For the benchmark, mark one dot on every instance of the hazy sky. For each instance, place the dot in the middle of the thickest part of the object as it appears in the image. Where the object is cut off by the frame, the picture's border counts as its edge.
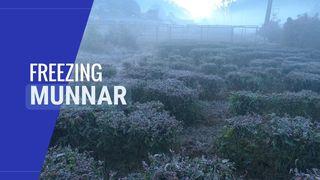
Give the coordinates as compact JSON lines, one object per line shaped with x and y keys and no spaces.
{"x":250,"y":12}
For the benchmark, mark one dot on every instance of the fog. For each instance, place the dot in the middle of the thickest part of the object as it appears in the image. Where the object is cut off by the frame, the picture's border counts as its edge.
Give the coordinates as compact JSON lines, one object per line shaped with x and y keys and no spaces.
{"x":117,"y":24}
{"x":208,"y":12}
{"x":229,"y":12}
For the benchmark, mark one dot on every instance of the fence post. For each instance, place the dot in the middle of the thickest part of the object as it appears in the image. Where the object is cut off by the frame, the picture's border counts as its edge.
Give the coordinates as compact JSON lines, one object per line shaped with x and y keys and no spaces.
{"x":232,"y":34}
{"x":201,"y":33}
{"x":170,"y":29}
{"x":157,"y":33}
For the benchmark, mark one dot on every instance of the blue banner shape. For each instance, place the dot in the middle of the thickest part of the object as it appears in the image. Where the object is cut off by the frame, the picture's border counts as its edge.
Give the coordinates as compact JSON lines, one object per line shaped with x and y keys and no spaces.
{"x":32,"y":31}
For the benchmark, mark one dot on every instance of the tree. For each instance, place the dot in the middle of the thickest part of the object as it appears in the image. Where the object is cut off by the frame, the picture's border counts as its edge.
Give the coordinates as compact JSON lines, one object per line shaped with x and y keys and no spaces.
{"x":302,"y":32}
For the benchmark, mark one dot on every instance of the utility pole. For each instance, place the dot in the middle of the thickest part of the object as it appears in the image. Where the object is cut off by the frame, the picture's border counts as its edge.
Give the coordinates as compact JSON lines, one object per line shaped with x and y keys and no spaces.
{"x":268,"y":13}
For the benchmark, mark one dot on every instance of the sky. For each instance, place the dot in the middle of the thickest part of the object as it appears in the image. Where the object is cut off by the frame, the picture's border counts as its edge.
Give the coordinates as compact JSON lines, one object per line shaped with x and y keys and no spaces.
{"x":235,"y":12}
{"x":201,"y":9}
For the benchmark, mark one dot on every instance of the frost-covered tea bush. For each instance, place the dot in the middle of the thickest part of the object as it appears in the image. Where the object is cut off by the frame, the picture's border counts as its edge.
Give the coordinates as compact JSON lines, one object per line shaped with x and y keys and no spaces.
{"x":145,"y":73}
{"x":202,"y":53}
{"x":145,"y":128}
{"x":66,"y":163}
{"x":304,"y":103}
{"x":128,"y":83}
{"x":180,"y":100}
{"x":270,"y":146}
{"x":70,"y":126}
{"x":276,"y":62}
{"x":297,"y":81}
{"x":289,"y":66}
{"x":200,"y":85}
{"x":209,"y":87}
{"x":226,"y":68}
{"x":247,"y":56}
{"x":209,"y":68}
{"x":256,"y":79}
{"x":162,"y":166}
{"x":118,"y":135}
{"x":181,"y":66}
{"x":109,"y":71}
{"x":177,"y":59}
{"x":219,"y":60}
{"x":187,"y":49}
{"x":189,"y":78}
{"x":243,"y":81}
{"x":313,"y":174}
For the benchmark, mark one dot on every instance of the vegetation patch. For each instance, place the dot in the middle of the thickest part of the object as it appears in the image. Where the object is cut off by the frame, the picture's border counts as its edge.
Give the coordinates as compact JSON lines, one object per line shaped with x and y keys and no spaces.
{"x":118,"y":136}
{"x":270,"y":146}
{"x":162,"y":166}
{"x":180,"y":100}
{"x":67,"y":163}
{"x":304,"y":103}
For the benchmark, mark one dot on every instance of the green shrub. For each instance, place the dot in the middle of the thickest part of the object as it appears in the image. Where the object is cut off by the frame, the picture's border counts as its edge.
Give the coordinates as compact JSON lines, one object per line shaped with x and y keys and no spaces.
{"x":304,"y":103}
{"x":270,"y":146}
{"x":176,"y":167}
{"x":118,"y":136}
{"x":66,"y":163}
{"x":180,"y":100}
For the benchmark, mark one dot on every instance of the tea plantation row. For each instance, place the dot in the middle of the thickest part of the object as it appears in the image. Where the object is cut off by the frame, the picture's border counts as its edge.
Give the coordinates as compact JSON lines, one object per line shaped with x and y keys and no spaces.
{"x":271,"y":127}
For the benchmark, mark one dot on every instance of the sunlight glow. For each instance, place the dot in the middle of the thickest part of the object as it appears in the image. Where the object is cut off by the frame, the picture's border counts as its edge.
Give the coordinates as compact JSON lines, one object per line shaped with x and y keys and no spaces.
{"x":202,"y":9}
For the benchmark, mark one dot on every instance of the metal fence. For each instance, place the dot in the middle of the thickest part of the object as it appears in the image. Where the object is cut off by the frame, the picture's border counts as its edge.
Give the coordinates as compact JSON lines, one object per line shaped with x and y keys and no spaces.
{"x":200,"y":33}
{"x":158,"y":32}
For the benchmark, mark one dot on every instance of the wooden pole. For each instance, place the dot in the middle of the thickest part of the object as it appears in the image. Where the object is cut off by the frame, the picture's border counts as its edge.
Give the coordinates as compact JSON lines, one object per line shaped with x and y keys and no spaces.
{"x":268,"y":13}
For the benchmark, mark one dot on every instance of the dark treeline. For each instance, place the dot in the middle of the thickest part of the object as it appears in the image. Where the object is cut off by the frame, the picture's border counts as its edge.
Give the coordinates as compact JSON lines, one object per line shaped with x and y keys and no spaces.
{"x":303,"y":32}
